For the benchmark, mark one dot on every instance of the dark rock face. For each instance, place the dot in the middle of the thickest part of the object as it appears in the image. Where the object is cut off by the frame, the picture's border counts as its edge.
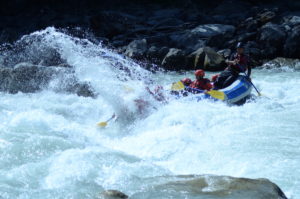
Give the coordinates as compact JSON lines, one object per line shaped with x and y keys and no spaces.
{"x":292,"y":44}
{"x":272,"y":39}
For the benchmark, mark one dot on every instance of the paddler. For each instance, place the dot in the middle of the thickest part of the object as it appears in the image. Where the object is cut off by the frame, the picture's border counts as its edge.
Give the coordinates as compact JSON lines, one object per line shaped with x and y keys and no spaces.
{"x":201,"y":83}
{"x":238,"y":63}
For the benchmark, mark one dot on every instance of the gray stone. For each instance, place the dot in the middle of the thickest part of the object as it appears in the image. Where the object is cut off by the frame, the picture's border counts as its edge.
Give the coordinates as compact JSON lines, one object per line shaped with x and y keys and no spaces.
{"x":206,"y":58}
{"x":210,"y":187}
{"x":174,"y":60}
{"x":136,"y":49}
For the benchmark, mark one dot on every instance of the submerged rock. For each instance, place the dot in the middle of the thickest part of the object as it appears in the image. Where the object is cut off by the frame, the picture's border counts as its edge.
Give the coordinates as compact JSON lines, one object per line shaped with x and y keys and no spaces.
{"x":29,"y":78}
{"x":113,"y":194}
{"x":212,"y":187}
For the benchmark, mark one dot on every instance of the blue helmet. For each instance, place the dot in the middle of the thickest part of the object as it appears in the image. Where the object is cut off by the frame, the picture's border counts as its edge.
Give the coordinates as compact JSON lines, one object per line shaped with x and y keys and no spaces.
{"x":240,"y":45}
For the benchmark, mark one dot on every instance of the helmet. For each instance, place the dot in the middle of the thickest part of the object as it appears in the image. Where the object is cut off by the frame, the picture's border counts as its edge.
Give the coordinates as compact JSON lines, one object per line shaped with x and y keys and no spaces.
{"x":199,"y":73}
{"x":186,"y":81}
{"x":214,"y":77}
{"x":240,"y":45}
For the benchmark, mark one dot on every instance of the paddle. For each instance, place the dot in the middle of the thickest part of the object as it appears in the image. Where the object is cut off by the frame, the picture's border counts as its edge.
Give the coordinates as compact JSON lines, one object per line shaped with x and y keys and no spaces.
{"x":176,"y":86}
{"x":104,"y":124}
{"x":249,"y":80}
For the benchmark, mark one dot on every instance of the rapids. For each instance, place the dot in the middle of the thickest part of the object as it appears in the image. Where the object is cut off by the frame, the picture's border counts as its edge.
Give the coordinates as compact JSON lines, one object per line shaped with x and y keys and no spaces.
{"x":51,"y":147}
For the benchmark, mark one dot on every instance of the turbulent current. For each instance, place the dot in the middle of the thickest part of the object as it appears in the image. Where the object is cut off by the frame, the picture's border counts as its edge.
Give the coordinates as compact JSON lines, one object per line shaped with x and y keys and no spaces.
{"x":51,"y":146}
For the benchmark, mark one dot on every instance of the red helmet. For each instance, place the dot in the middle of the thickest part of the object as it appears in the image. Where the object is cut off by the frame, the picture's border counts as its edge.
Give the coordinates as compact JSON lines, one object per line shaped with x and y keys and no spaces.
{"x":186,"y":81}
{"x":214,"y":77}
{"x":199,"y":73}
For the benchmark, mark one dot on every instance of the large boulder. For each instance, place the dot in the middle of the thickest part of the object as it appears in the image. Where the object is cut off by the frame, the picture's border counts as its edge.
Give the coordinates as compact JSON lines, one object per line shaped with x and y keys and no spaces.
{"x":210,"y":186}
{"x":157,"y":54}
{"x":28,"y":78}
{"x":174,"y":60}
{"x":292,"y":44}
{"x":193,"y":39}
{"x":272,"y":38}
{"x":136,"y":49}
{"x":206,"y":58}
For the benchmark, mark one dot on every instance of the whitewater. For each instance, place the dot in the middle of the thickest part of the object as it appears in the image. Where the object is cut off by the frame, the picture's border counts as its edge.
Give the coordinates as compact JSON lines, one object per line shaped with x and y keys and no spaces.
{"x":51,"y":146}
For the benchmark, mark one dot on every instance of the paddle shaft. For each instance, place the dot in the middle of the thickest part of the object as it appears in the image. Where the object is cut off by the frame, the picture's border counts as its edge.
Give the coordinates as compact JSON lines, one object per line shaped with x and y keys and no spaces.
{"x":252,"y":84}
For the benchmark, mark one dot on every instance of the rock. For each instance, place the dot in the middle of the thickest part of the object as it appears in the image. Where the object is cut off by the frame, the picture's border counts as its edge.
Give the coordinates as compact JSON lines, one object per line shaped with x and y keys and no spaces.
{"x":292,"y":20}
{"x":113,"y":194}
{"x":292,"y":44}
{"x":136,"y":49}
{"x":210,"y":186}
{"x":282,"y":62}
{"x":195,"y":38}
{"x":226,"y":53}
{"x":206,"y":58}
{"x":174,"y":60}
{"x":157,"y":54}
{"x":265,"y":17}
{"x":109,"y":23}
{"x":28,"y":78}
{"x":271,"y":38}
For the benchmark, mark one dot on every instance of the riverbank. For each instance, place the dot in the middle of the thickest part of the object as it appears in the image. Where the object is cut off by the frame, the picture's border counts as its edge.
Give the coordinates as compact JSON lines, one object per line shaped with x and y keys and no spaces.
{"x":175,"y":35}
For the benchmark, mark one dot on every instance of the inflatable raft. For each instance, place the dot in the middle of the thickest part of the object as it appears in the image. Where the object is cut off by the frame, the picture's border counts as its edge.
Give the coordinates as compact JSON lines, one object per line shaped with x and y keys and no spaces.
{"x":236,"y":93}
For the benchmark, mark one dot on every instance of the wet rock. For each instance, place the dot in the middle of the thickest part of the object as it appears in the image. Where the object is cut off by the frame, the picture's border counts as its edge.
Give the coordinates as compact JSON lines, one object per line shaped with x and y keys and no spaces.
{"x":272,"y":38}
{"x":265,"y":17}
{"x":206,"y":58}
{"x":282,"y":62}
{"x":136,"y":49}
{"x":226,"y":53}
{"x":210,"y":186}
{"x":195,"y":38}
{"x":113,"y":194}
{"x":174,"y":60}
{"x":157,"y":54}
{"x":28,"y":78}
{"x":292,"y":44}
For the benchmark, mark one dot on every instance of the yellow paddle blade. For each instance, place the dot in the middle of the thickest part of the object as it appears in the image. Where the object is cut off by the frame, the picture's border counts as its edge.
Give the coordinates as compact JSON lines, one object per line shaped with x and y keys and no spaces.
{"x":176,"y":86}
{"x":102,"y":124}
{"x":216,"y":94}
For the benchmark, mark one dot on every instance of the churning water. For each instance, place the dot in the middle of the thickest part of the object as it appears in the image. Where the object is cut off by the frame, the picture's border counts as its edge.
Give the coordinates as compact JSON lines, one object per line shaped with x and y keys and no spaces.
{"x":51,"y":147}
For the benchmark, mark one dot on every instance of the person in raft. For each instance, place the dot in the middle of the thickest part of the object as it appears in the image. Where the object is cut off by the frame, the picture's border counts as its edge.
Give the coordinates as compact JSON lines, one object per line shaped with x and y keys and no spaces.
{"x":238,"y":63}
{"x":201,"y":83}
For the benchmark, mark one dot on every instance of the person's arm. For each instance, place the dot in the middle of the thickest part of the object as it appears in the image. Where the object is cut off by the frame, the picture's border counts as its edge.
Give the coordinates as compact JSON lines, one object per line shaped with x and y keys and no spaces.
{"x":249,"y":71}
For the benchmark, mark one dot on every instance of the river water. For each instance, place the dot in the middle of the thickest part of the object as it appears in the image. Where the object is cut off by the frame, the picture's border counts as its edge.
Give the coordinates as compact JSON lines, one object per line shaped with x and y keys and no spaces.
{"x":51,"y":147}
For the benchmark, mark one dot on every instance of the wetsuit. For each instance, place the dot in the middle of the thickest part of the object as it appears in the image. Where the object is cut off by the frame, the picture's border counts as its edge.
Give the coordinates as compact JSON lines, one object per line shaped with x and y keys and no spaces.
{"x":231,"y":73}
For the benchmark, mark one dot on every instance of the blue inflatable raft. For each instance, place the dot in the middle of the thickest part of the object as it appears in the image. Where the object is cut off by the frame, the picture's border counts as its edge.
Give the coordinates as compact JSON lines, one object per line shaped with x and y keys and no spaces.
{"x":236,"y":93}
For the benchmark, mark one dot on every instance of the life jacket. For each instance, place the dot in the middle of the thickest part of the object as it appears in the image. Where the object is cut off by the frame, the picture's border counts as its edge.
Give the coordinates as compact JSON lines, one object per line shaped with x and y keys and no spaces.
{"x":242,"y":64}
{"x":202,"y":84}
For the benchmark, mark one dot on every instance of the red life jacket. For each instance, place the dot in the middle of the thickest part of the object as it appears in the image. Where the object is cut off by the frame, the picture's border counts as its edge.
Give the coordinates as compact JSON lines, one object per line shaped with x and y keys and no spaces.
{"x":202,"y":84}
